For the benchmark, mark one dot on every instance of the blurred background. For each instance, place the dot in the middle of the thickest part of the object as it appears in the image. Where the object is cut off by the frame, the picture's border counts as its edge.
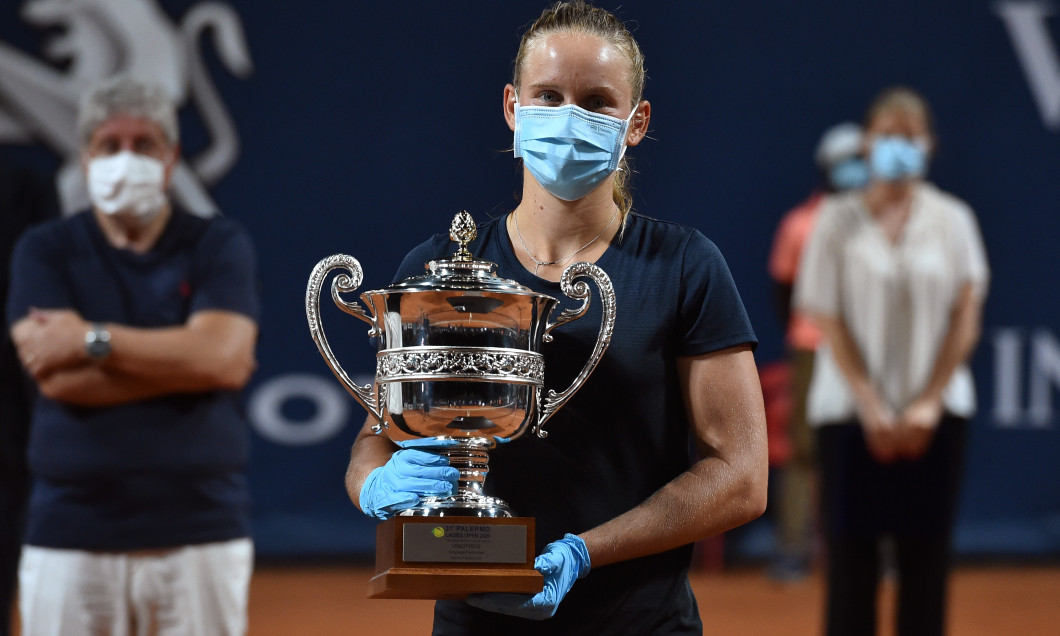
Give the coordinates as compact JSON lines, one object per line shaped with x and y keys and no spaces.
{"x":363,"y":127}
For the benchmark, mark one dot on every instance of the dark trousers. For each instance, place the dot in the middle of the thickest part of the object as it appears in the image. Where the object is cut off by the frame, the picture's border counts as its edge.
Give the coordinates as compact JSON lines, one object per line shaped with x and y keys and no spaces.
{"x":912,"y":502}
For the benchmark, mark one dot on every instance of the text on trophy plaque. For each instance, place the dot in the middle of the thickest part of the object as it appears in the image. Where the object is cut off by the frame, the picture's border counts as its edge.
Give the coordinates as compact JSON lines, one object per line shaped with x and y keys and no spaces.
{"x":463,"y":543}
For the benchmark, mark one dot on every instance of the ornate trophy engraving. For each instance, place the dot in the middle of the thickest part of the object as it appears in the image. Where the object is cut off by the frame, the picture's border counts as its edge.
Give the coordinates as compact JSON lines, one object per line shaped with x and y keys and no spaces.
{"x":459,"y":370}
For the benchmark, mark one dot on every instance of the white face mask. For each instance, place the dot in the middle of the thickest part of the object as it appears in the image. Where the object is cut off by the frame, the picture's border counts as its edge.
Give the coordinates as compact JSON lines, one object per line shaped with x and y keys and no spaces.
{"x":128,"y":183}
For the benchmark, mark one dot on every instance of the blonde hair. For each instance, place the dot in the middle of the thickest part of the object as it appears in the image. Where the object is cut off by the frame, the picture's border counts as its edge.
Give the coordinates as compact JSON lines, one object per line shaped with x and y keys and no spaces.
{"x":575,"y":16}
{"x":900,"y":98}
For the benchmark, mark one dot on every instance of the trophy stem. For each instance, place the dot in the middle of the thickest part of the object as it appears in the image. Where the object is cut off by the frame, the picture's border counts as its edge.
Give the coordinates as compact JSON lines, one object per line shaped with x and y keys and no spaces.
{"x":473,"y":465}
{"x":469,"y":500}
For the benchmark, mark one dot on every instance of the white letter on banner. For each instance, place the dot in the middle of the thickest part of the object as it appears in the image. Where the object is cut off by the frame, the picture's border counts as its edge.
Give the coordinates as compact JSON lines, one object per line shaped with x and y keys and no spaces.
{"x":1008,"y":377}
{"x":1045,"y":374}
{"x":265,"y":408}
{"x":1026,"y":26}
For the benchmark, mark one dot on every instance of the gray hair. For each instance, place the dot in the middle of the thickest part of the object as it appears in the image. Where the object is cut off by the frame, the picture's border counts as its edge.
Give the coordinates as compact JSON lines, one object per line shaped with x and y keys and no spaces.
{"x":126,"y":95}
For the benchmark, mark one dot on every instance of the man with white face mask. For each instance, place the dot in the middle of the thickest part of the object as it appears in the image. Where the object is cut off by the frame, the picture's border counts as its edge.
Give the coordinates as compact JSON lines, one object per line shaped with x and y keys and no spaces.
{"x":138,"y":322}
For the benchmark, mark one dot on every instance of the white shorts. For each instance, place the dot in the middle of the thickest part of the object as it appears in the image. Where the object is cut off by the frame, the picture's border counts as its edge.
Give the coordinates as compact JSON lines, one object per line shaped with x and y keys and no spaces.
{"x":191,"y":590}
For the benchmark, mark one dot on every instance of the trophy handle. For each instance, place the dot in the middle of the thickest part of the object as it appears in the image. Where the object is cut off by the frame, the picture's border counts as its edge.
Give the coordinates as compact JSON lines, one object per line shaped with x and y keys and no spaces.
{"x":579,"y":290}
{"x":343,"y":284}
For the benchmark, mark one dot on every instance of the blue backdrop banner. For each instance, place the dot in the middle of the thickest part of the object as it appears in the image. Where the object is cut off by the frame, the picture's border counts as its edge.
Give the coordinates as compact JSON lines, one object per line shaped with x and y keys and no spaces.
{"x":362,"y":127}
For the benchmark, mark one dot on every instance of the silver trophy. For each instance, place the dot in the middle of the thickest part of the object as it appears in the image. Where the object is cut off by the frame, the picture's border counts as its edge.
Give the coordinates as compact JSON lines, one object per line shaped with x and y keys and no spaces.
{"x":459,"y":367}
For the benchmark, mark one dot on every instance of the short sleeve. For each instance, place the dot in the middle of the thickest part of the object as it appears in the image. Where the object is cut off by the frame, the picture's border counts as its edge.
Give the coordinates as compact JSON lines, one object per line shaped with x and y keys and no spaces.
{"x":817,"y":285}
{"x":971,"y":265}
{"x":37,"y":277}
{"x":711,"y":314}
{"x":226,"y":275}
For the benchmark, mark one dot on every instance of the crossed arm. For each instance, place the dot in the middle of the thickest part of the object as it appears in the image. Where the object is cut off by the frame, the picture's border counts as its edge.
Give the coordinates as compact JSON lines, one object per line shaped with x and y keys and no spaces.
{"x":725,"y":488}
{"x":213,"y":350}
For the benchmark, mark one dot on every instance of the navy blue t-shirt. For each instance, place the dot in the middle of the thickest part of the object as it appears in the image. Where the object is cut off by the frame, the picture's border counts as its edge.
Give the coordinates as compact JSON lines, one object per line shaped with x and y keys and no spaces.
{"x":624,"y":434}
{"x":154,"y":473}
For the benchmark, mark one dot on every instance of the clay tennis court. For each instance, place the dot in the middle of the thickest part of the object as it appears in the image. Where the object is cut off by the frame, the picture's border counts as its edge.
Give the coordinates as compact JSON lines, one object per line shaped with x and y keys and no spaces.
{"x":985,"y":601}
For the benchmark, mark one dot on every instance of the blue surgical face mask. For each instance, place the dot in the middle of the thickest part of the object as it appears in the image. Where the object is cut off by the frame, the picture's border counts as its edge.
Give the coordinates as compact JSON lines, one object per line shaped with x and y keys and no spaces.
{"x":849,"y":174}
{"x":895,"y":157}
{"x":568,"y":149}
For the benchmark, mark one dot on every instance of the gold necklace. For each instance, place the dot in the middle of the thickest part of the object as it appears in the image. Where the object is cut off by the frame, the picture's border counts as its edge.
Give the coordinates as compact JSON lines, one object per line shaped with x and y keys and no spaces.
{"x":541,"y":264}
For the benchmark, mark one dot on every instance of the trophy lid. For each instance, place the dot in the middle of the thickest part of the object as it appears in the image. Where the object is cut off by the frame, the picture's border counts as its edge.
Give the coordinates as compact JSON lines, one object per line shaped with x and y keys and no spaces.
{"x":461,"y":271}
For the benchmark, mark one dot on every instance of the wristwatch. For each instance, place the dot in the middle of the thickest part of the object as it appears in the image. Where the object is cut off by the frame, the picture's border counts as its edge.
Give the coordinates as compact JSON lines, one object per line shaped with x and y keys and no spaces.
{"x":97,"y":341}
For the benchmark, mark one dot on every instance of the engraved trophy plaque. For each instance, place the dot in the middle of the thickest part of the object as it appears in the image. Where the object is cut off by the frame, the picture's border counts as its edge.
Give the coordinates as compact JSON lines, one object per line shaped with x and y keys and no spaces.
{"x":458,"y":371}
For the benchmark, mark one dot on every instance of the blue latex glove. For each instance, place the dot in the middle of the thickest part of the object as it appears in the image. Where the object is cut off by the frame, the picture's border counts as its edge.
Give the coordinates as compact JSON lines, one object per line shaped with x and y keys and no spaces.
{"x":561,"y":563}
{"x":428,"y":442}
{"x":407,"y":476}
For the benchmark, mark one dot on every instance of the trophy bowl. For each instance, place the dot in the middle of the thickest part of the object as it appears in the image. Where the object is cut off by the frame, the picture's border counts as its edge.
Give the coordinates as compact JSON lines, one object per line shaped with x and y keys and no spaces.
{"x":459,"y":367}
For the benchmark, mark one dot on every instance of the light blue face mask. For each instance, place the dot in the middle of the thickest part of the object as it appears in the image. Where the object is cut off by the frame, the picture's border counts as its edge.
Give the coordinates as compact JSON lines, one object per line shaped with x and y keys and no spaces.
{"x":568,"y":149}
{"x":895,"y":157}
{"x":849,"y":174}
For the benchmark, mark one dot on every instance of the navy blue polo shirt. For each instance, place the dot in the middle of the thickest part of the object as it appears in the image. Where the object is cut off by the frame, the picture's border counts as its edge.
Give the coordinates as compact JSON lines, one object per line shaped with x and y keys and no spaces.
{"x":154,"y":473}
{"x":624,"y":435}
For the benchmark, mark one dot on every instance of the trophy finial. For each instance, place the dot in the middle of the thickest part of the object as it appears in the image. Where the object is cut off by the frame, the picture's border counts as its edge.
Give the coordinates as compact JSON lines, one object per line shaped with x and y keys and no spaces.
{"x":463,"y":231}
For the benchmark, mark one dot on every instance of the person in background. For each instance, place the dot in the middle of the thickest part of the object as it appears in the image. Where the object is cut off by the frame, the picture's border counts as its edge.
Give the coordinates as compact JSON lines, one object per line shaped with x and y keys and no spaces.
{"x":895,"y":276}
{"x":617,"y":501}
{"x":838,"y":157}
{"x":25,"y":200}
{"x":138,"y":323}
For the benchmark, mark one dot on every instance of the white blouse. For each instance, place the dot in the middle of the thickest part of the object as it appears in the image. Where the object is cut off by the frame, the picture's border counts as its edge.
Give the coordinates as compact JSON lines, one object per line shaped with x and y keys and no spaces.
{"x":895,"y":298}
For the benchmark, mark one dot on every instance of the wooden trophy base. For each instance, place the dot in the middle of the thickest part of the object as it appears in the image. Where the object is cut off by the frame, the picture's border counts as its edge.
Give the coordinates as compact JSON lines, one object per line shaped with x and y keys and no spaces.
{"x":452,"y":557}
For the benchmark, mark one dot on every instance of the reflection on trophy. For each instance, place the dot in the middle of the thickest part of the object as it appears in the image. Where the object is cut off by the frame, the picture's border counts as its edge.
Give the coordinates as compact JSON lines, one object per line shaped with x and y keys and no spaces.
{"x":459,"y":370}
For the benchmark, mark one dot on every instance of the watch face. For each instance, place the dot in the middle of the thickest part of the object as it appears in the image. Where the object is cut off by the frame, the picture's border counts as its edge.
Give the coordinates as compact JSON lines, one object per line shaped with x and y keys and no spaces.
{"x":97,"y":342}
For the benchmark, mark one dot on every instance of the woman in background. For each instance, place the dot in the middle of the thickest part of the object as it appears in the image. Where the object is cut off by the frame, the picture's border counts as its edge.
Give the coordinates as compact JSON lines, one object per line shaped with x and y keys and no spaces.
{"x":895,"y":275}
